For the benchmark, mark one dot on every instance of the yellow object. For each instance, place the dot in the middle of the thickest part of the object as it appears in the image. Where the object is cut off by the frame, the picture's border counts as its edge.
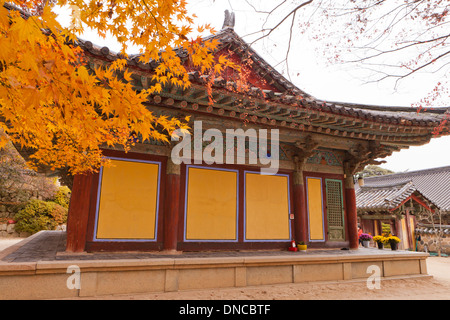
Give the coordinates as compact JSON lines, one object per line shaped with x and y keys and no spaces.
{"x":315,"y":208}
{"x":302,"y":247}
{"x":378,"y":239}
{"x":211,"y":211}
{"x":266,"y":207}
{"x":128,"y":200}
{"x":391,"y":238}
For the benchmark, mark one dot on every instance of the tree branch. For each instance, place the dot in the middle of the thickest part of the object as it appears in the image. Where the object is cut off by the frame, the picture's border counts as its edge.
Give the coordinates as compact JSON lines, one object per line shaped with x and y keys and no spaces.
{"x":281,"y":21}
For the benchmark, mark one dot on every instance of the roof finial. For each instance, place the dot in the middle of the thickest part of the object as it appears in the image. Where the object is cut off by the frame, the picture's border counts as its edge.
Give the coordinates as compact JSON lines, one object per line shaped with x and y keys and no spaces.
{"x":229,"y":20}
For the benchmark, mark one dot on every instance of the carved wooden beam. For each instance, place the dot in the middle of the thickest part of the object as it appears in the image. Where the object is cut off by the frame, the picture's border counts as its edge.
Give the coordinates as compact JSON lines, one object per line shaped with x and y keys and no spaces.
{"x":376,"y":162}
{"x":359,"y":152}
{"x":303,"y":150}
{"x":359,"y":156}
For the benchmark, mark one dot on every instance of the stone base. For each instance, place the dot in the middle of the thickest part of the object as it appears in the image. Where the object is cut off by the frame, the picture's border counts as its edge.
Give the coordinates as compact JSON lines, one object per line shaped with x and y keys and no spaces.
{"x":88,"y":278}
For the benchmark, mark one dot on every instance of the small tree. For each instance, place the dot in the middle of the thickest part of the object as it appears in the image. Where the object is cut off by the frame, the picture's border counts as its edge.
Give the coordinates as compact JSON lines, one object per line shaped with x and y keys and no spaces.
{"x":373,"y":170}
{"x":435,"y":217}
{"x":20,"y":182}
{"x":40,"y":215}
{"x":62,"y":197}
{"x":53,"y":103}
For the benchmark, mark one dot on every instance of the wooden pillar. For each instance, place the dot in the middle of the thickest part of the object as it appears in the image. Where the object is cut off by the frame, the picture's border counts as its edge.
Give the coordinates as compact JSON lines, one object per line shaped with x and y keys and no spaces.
{"x":398,"y":231}
{"x":393,"y":226}
{"x":303,"y":150}
{"x":300,"y":213}
{"x":171,"y":206}
{"x":78,"y":215}
{"x":350,"y":201}
{"x":379,"y":227}
{"x":408,"y":230}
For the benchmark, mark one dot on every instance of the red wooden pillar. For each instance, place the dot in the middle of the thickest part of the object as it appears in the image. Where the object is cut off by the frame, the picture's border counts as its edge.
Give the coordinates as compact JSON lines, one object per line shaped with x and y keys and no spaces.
{"x":352,"y":223}
{"x":77,"y":220}
{"x":171,"y":206}
{"x":350,"y":201}
{"x":300,"y":214}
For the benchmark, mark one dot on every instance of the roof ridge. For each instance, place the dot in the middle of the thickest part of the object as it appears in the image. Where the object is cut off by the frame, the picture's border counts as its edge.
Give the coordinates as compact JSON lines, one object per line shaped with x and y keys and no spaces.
{"x":236,"y":39}
{"x":394,"y":184}
{"x":374,"y":107}
{"x":378,"y":198}
{"x":402,"y":191}
{"x":410,"y":173}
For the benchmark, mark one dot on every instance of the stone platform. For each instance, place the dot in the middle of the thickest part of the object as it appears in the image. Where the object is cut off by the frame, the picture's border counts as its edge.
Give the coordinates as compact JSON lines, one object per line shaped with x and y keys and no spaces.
{"x":39,"y":268}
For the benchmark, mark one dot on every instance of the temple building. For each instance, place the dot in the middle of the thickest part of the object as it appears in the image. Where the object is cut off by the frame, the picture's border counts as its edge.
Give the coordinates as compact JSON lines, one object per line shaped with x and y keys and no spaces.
{"x":148,"y":201}
{"x":407,"y":203}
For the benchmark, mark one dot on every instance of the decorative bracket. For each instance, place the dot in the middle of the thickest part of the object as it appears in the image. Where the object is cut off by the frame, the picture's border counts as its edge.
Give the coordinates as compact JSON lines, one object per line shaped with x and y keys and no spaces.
{"x":360,"y":156}
{"x":302,"y":151}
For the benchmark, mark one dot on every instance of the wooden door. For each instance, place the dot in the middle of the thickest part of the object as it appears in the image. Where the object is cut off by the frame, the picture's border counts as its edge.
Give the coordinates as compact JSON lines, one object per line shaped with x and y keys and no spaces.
{"x":335,"y":210}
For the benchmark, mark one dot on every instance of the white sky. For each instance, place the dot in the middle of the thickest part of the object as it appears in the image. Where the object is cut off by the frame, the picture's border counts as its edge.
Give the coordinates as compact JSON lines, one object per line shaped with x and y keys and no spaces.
{"x":325,"y":81}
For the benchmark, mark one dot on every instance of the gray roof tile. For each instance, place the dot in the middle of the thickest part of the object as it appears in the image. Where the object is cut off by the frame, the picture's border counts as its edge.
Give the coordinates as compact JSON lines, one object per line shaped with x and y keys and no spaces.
{"x":433,"y":184}
{"x":378,"y":198}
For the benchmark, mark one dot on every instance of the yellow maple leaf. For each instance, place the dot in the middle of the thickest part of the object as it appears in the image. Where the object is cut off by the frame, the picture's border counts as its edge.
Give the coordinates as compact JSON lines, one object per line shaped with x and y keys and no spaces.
{"x":54,"y":105}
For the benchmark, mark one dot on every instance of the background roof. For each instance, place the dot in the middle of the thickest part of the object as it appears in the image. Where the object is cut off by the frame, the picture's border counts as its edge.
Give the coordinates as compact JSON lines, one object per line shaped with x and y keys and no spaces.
{"x":434,"y":184}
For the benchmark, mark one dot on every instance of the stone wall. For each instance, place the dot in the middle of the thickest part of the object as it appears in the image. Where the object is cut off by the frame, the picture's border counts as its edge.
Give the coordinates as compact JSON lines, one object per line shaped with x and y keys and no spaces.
{"x":11,"y":202}
{"x":7,"y":230}
{"x":9,"y":206}
{"x":428,"y":239}
{"x":8,"y":209}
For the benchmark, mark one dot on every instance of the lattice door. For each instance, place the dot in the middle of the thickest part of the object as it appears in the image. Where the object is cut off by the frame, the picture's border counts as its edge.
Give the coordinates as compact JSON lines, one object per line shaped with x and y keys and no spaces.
{"x":335,"y":210}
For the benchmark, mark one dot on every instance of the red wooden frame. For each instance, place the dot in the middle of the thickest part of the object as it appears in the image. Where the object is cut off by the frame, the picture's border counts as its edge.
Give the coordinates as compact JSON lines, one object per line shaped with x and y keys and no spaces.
{"x":240,"y":244}
{"x":92,"y":245}
{"x":415,"y":198}
{"x":170,"y":233}
{"x":323,"y":176}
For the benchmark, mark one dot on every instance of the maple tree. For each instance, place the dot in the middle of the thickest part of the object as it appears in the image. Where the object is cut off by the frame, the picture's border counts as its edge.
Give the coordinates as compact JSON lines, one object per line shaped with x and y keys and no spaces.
{"x":53,"y":104}
{"x":390,"y":40}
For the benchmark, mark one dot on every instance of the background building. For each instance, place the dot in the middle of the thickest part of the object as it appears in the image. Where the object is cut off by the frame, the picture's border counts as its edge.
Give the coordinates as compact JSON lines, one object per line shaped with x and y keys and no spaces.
{"x":415,"y":204}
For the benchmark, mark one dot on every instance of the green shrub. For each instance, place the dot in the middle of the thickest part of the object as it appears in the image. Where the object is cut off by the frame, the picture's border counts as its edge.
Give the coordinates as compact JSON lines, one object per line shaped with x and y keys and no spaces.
{"x":62,"y":196}
{"x":40,"y":215}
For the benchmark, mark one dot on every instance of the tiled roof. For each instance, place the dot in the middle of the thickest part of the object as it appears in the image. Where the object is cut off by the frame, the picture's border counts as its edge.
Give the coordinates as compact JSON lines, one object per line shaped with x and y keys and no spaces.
{"x":286,"y":93}
{"x":281,"y":104}
{"x":384,"y":197}
{"x":431,"y":230}
{"x":433,"y":184}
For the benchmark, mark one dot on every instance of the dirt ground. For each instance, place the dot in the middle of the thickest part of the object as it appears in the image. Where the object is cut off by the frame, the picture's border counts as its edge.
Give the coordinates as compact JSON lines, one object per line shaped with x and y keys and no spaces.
{"x":436,"y":288}
{"x":7,"y":242}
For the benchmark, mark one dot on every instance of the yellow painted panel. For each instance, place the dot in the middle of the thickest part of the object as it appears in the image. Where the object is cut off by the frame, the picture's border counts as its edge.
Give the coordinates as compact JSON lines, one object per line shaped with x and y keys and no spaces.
{"x":211,"y":204}
{"x":315,"y":208}
{"x":128,"y":201}
{"x":267,"y":207}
